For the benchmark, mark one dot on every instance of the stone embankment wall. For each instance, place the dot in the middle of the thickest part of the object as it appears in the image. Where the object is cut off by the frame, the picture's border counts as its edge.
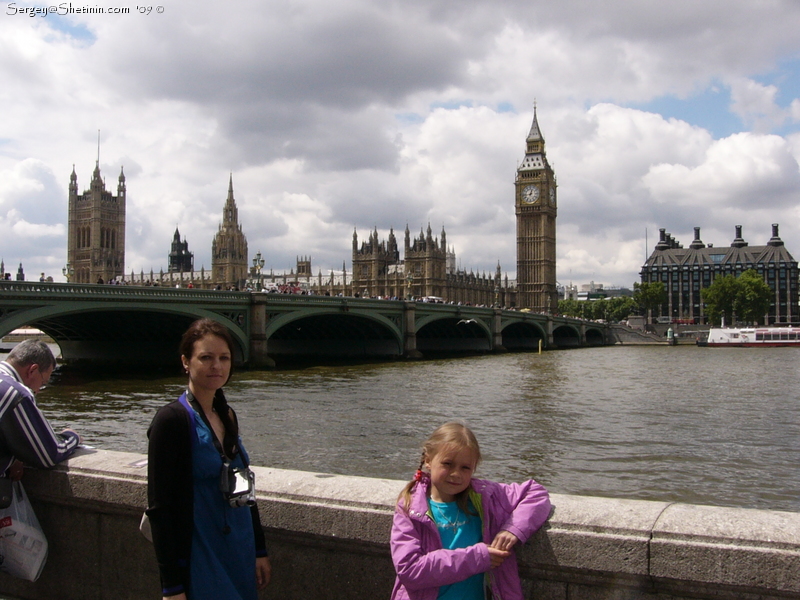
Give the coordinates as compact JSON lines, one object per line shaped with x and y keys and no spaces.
{"x":328,"y":538}
{"x":621,"y":334}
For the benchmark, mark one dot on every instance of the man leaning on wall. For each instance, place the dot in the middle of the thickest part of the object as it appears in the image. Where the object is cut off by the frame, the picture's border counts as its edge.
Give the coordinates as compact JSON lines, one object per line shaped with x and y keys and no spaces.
{"x":26,"y":436}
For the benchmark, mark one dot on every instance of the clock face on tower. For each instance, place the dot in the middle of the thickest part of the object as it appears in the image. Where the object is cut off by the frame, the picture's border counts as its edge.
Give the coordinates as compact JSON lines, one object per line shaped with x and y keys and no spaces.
{"x":530,"y":194}
{"x":552,"y":196}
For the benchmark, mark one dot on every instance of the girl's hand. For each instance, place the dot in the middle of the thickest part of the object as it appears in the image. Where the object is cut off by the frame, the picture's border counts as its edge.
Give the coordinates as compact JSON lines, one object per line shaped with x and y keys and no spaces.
{"x":504,"y":540}
{"x":496,"y":557}
{"x":176,"y":597}
{"x":263,"y":571}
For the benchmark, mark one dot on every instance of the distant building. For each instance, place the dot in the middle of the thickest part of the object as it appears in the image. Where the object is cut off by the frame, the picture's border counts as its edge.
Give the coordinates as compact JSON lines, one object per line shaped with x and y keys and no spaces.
{"x":229,"y":248}
{"x":180,"y":259}
{"x":96,"y":230}
{"x":614,"y":291}
{"x":428,"y":270}
{"x":568,"y":292}
{"x":686,"y":271}
{"x":591,"y":291}
{"x":304,"y":267}
{"x":299,"y":280}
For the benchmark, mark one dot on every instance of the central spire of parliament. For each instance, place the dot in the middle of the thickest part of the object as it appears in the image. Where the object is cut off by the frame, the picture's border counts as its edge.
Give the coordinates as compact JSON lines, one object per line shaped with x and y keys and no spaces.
{"x":229,"y":248}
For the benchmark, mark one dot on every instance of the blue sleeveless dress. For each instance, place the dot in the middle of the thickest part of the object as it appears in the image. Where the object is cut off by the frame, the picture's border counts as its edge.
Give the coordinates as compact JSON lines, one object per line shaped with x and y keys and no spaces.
{"x":223,"y":560}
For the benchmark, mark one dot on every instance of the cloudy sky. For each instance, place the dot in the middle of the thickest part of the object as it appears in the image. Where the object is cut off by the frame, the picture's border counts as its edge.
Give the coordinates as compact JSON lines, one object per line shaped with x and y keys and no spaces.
{"x":381,"y":113}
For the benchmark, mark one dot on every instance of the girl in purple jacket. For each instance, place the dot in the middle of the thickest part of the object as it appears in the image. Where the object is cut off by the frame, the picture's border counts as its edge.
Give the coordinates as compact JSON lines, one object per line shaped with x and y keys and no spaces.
{"x":452,"y":535}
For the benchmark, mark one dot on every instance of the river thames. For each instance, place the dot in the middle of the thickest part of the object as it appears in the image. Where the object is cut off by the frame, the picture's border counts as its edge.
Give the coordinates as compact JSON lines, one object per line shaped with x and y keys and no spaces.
{"x":696,"y":425}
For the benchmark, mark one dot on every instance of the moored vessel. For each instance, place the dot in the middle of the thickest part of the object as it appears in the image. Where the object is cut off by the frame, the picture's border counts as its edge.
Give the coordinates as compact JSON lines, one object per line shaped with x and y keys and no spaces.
{"x":753,"y":336}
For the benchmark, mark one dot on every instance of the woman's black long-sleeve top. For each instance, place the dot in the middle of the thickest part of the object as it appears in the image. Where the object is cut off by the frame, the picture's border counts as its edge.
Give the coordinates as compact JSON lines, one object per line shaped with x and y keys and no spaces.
{"x":169,"y":496}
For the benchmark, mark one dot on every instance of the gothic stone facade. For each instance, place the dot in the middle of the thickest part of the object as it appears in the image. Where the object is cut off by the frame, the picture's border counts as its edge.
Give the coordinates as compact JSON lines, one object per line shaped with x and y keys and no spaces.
{"x":180,"y":259}
{"x":536,"y":210}
{"x":686,"y":271}
{"x":96,"y":230}
{"x":229,"y":248}
{"x":428,"y":270}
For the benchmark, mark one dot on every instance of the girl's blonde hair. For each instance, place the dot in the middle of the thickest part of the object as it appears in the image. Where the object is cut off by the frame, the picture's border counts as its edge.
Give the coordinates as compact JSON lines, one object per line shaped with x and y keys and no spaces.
{"x":450,"y":436}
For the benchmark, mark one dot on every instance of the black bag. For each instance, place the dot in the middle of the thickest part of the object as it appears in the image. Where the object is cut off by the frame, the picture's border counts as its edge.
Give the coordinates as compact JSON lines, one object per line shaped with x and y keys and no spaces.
{"x":6,"y":492}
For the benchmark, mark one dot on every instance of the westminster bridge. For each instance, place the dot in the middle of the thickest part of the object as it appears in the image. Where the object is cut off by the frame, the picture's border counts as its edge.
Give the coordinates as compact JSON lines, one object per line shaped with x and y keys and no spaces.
{"x":143,"y":325}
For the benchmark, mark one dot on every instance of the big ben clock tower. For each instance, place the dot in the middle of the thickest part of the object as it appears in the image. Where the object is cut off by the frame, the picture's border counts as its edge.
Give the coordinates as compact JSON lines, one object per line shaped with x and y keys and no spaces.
{"x":536,"y":209}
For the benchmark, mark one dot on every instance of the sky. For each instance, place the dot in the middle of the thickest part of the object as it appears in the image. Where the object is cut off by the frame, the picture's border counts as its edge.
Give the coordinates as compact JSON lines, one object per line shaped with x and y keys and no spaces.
{"x":356,"y":115}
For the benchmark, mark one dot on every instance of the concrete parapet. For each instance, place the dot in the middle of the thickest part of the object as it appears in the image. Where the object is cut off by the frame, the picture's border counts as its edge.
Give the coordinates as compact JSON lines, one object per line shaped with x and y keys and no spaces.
{"x":328,"y":538}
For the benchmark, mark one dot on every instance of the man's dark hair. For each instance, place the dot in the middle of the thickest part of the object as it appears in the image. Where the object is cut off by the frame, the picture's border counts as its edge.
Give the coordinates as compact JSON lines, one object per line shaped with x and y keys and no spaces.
{"x":32,"y":352}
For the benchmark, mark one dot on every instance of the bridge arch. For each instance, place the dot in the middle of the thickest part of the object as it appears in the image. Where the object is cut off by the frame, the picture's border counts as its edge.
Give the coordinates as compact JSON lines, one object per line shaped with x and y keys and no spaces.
{"x":444,"y":333}
{"x":566,"y":336}
{"x":332,"y":333}
{"x":523,"y":335}
{"x":120,"y":333}
{"x":595,"y":337}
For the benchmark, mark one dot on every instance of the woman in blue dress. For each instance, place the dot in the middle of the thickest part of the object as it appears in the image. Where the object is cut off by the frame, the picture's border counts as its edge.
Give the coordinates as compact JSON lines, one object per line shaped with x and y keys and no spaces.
{"x":206,"y":547}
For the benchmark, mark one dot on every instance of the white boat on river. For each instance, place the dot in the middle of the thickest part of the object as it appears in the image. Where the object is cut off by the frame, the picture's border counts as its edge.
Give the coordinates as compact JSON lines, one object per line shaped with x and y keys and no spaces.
{"x":753,"y":336}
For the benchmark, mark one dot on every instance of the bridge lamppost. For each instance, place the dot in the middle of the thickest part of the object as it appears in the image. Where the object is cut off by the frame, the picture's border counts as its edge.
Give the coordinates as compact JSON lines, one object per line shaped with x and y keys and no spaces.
{"x":497,"y":296}
{"x":68,"y":271}
{"x":258,"y":264}
{"x":409,"y":281}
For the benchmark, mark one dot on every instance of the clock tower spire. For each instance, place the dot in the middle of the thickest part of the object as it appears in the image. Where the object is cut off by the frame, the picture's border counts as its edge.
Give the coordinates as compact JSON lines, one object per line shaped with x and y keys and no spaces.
{"x":536,"y":210}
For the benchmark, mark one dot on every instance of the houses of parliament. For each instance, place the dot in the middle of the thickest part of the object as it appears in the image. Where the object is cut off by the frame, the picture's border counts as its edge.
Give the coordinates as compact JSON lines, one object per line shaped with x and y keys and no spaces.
{"x":427,"y":269}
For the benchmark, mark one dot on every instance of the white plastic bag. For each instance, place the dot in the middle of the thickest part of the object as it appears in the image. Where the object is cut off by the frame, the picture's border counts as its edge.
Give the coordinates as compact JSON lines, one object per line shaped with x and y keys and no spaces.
{"x":23,"y":547}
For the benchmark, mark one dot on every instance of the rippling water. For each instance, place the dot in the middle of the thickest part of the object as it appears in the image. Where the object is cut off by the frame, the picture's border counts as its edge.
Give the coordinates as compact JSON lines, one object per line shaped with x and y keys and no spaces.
{"x":698,"y":425}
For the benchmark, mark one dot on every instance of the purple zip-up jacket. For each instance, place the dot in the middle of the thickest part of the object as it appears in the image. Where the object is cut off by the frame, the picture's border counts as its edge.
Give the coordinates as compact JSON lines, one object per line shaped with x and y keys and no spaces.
{"x":24,"y":431}
{"x":422,"y":564}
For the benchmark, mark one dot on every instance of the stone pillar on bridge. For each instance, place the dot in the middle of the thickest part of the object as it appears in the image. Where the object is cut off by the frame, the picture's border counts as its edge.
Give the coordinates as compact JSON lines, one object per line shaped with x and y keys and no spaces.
{"x":550,"y":327}
{"x":258,"y":336}
{"x":609,"y":336}
{"x":497,"y":332}
{"x":410,"y":331}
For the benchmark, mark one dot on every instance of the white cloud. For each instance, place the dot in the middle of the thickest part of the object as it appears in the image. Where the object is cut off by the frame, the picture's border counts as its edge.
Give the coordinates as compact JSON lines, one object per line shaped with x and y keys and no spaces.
{"x":738,"y":173}
{"x":22,"y":228}
{"x":756,"y":104}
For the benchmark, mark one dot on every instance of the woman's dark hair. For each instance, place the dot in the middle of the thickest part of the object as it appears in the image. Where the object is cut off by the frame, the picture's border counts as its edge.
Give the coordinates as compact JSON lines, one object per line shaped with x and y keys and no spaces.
{"x":197,"y":331}
{"x":200,"y":329}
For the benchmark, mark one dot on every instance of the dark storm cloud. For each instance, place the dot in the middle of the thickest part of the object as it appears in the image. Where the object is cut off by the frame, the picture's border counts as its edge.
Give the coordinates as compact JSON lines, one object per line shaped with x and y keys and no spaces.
{"x":360,"y":56}
{"x":294,"y":83}
{"x":326,"y":138}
